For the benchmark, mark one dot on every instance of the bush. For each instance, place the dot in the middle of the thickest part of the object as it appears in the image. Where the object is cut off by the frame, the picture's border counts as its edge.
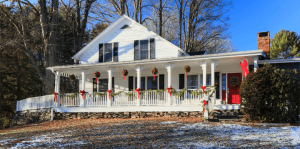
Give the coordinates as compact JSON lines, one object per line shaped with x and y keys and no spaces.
{"x":4,"y":122}
{"x":271,"y":95}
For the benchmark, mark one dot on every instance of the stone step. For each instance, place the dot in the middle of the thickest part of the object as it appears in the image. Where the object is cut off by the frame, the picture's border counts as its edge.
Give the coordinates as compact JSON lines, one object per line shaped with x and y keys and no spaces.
{"x":231,"y":120}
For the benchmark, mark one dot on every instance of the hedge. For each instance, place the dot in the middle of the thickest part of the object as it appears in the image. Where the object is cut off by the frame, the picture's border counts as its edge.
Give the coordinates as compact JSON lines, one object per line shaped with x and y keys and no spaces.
{"x":271,"y":95}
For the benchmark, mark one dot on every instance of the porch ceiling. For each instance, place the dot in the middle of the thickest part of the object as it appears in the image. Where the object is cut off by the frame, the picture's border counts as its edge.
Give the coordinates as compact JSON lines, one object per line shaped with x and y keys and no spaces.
{"x":225,"y":59}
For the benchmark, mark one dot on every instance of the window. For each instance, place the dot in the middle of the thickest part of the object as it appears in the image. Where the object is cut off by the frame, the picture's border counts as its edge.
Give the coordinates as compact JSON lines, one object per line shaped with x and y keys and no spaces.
{"x":224,"y":82}
{"x":143,"y":82}
{"x":192,"y":82}
{"x":144,"y":49}
{"x":151,"y":84}
{"x":208,"y":80}
{"x":108,"y":54}
{"x":103,"y":85}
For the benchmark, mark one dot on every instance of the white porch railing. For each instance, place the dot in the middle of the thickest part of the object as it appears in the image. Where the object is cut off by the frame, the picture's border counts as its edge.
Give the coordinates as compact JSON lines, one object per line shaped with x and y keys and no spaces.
{"x":35,"y":103}
{"x":148,"y":98}
{"x":151,"y":98}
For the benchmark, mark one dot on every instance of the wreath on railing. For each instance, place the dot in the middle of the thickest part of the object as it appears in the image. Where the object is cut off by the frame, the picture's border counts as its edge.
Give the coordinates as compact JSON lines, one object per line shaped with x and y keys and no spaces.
{"x":234,"y":81}
{"x":186,"y":69}
{"x":72,"y":78}
{"x":97,"y":75}
{"x":154,"y":71}
{"x":124,"y":73}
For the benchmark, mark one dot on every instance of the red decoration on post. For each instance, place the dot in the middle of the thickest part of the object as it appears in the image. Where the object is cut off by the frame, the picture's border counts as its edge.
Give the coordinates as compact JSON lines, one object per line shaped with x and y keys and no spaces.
{"x":204,"y":103}
{"x":72,"y":78}
{"x":109,"y":91}
{"x":124,"y":73}
{"x":203,"y":88}
{"x":138,"y":91}
{"x":55,"y":95}
{"x":186,"y":69}
{"x":97,"y":75}
{"x":82,"y":93}
{"x":244,"y":67}
{"x":154,"y":71}
{"x":169,"y":90}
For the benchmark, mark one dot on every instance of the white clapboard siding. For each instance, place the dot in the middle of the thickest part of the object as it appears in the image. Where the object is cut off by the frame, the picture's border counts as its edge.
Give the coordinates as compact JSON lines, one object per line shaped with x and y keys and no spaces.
{"x":125,"y":38}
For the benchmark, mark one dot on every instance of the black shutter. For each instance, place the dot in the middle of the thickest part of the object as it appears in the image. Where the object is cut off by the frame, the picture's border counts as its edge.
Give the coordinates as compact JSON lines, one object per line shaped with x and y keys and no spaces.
{"x":136,"y":50}
{"x":181,"y":81}
{"x":94,"y":85}
{"x":161,"y":81}
{"x":217,"y":84}
{"x":130,"y":83}
{"x":152,"y":48}
{"x":113,"y":83}
{"x":101,"y":53}
{"x":115,"y":58}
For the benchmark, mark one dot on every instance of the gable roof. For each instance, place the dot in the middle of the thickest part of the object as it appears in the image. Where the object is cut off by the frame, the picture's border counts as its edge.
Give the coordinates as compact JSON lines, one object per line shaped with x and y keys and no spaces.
{"x":111,"y":27}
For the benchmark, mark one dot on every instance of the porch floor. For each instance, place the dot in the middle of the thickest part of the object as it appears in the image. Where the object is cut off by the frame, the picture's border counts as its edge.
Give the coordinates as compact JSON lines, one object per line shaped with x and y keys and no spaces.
{"x":144,"y":108}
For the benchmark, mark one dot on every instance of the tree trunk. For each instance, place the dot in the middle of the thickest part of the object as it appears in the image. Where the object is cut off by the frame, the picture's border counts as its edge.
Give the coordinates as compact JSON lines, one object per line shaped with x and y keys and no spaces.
{"x":180,"y":22}
{"x":160,"y":17}
{"x":140,"y":10}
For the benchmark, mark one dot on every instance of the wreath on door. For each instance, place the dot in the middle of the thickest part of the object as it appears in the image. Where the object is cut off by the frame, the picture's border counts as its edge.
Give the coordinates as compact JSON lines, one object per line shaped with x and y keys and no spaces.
{"x":234,"y":81}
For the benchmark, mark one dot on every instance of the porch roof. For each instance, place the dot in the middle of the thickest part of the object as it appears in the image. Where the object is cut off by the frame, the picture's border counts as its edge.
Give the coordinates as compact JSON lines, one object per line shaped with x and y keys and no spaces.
{"x":163,"y":60}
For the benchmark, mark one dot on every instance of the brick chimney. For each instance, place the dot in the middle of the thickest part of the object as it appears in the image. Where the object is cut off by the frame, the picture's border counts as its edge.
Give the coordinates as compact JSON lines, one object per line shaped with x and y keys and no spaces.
{"x":263,"y":42}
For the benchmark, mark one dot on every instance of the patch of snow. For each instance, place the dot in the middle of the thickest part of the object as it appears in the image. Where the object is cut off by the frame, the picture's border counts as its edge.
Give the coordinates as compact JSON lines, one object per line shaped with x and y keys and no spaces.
{"x":168,"y":122}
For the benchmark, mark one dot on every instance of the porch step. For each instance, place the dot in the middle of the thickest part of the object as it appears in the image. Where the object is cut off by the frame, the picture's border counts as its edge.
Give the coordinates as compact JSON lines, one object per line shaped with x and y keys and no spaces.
{"x":225,"y":116}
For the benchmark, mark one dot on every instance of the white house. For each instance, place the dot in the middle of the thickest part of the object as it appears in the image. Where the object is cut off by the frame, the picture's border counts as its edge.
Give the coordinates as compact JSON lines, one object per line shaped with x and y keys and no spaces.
{"x":128,"y":45}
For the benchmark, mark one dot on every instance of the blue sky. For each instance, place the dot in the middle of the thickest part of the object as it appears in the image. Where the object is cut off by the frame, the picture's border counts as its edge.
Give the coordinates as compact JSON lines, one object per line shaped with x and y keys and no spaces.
{"x":247,"y":17}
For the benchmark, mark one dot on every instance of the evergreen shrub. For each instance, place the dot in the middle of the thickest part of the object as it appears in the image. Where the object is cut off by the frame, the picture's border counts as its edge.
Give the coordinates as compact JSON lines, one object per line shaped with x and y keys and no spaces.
{"x":271,"y":95}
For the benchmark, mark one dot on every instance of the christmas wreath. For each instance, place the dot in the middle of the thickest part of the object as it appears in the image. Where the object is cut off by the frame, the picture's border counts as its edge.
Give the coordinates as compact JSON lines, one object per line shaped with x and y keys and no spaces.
{"x":154,"y":71}
{"x":72,"y":78}
{"x":124,"y":73}
{"x":186,"y":69}
{"x":234,"y":81}
{"x":97,"y":75}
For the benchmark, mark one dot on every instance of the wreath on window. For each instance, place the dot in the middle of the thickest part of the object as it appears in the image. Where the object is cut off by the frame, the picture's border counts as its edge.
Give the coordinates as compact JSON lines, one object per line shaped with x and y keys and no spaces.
{"x":72,"y":78}
{"x":234,"y":81}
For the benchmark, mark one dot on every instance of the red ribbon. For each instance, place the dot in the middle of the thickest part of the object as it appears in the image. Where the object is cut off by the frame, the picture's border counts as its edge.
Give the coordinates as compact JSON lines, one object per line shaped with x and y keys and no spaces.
{"x":109,"y":91}
{"x":203,"y":88}
{"x":82,"y":93}
{"x":71,"y":82}
{"x":123,"y":77}
{"x":96,"y":80}
{"x":138,"y":91}
{"x":204,"y":103}
{"x":169,"y":90}
{"x":55,"y":95}
{"x":185,"y":74}
{"x":244,"y":67}
{"x":154,"y":77}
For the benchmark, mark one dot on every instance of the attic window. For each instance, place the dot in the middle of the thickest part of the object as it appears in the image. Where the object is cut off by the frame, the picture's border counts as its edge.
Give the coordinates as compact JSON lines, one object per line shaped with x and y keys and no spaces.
{"x":125,"y":26}
{"x":263,"y":34}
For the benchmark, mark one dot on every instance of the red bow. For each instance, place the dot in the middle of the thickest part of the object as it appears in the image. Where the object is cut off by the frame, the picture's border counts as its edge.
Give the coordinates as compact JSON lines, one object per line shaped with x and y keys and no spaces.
{"x":154,"y":77}
{"x":55,"y":95}
{"x":204,"y":103}
{"x":71,"y":82}
{"x":203,"y":88}
{"x":109,"y":91}
{"x":123,"y":77}
{"x":82,"y":93}
{"x":169,"y":90}
{"x":96,"y":80}
{"x":244,"y":67}
{"x":138,"y":91}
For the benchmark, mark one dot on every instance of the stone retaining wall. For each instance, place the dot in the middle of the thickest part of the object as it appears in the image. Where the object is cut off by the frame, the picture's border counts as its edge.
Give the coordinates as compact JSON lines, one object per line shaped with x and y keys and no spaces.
{"x":22,"y":118}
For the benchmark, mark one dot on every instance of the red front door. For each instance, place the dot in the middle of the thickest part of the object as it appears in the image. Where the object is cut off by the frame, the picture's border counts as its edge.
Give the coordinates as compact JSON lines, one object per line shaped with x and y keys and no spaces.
{"x":234,"y":83}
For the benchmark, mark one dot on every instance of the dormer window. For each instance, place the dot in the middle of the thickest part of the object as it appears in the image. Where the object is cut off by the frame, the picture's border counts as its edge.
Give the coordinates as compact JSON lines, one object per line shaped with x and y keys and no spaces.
{"x":144,"y":49}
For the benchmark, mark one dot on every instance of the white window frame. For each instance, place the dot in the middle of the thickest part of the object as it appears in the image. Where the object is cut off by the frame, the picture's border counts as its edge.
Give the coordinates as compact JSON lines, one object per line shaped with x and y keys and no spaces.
{"x":112,"y":52}
{"x":146,"y":80}
{"x":185,"y":84}
{"x":140,"y":48}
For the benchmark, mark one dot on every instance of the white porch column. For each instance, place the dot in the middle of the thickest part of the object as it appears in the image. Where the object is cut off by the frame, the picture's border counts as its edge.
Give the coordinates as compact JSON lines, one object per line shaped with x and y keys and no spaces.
{"x":169,"y":68}
{"x":213,"y":67}
{"x":203,"y":65}
{"x":57,"y":87}
{"x":83,"y":78}
{"x":138,"y":81}
{"x":110,"y":73}
{"x":255,"y":63}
